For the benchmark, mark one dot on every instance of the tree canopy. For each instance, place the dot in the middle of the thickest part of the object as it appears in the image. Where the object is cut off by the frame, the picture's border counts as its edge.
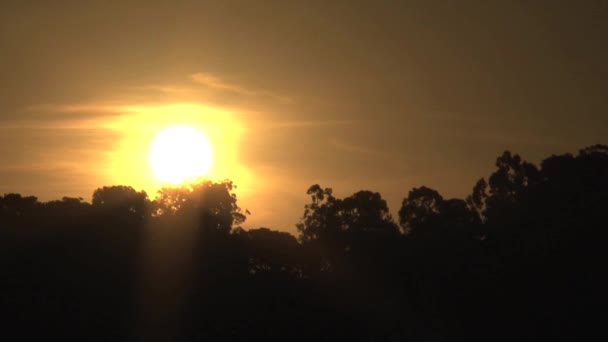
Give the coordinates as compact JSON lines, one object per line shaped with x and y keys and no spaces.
{"x":521,"y":257}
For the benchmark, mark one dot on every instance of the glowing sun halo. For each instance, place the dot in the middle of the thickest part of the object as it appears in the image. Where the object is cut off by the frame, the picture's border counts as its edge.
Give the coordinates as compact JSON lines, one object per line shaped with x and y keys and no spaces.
{"x":180,"y":153}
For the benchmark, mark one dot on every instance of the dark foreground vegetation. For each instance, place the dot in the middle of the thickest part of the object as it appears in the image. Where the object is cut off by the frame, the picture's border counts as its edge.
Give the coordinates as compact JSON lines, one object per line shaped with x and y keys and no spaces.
{"x":522,"y":258}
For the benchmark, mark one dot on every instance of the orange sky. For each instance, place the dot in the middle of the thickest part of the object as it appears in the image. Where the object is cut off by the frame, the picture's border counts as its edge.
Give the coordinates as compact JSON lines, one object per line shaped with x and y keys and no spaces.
{"x":352,"y":95}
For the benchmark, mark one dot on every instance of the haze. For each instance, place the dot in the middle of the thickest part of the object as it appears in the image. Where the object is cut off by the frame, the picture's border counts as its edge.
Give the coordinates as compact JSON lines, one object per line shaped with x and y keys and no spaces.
{"x":376,"y":95}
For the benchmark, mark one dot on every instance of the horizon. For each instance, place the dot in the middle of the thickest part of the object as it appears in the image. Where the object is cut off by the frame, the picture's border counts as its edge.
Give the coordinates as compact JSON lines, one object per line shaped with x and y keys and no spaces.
{"x":291,"y":230}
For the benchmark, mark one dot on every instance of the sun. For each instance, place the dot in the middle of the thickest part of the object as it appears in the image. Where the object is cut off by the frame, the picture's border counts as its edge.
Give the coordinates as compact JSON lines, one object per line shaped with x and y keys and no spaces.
{"x":180,"y":153}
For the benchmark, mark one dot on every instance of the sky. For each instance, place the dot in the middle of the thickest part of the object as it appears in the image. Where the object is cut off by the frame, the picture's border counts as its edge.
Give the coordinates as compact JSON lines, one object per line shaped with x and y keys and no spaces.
{"x":353,"y":95}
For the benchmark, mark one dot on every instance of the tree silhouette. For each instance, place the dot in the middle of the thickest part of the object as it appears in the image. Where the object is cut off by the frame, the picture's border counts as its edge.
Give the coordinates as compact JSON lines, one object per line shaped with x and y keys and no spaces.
{"x":420,"y":209}
{"x":342,"y":228}
{"x":338,"y":221}
{"x":521,"y":258}
{"x":212,"y":204}
{"x":121,"y":200}
{"x":271,"y":252}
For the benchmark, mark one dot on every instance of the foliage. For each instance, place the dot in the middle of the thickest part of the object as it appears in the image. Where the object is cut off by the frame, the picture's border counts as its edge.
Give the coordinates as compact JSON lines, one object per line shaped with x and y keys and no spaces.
{"x":521,"y":258}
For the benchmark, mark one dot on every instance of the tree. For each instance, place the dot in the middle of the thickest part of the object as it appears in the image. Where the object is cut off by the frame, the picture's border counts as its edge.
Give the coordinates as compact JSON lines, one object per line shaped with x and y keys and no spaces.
{"x":339,"y":229}
{"x":68,"y":208}
{"x":17,"y":205}
{"x":507,"y":185}
{"x":420,"y":209}
{"x":476,"y":201}
{"x":213,"y":205}
{"x":270,"y":251}
{"x":424,"y":211}
{"x":337,"y":221}
{"x":121,"y":200}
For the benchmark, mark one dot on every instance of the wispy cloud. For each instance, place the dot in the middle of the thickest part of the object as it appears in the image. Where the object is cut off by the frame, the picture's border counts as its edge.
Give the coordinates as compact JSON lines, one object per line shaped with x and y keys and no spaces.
{"x":166,"y":89}
{"x":76,"y":108}
{"x":306,"y":123}
{"x":210,"y":80}
{"x":213,"y":81}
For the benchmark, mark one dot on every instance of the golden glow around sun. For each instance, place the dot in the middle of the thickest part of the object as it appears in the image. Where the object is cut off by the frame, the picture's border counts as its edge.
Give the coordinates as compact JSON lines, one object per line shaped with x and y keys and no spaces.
{"x":180,"y":153}
{"x":133,"y":160}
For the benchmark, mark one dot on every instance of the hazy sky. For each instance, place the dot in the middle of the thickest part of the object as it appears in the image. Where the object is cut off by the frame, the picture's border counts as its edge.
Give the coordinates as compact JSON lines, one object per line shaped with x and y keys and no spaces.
{"x":353,"y":95}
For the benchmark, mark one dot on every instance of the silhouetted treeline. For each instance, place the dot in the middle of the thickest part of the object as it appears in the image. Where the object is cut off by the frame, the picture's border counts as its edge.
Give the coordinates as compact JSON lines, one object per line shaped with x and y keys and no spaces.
{"x":523,"y":257}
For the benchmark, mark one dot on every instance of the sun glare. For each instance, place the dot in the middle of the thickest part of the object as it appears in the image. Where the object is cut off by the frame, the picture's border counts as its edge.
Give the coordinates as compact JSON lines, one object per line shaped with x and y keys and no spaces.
{"x":170,"y":144}
{"x":180,"y":153}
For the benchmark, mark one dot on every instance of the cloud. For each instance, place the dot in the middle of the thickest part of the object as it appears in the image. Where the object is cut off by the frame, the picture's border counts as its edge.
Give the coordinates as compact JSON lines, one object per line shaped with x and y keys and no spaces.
{"x":203,"y":88}
{"x":213,"y":81}
{"x":76,"y":108}
{"x":305,"y":123}
{"x":166,"y":89}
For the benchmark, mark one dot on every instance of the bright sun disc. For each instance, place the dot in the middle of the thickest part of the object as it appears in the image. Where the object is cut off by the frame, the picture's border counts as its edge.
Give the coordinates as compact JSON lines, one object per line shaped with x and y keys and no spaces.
{"x":179,"y":153}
